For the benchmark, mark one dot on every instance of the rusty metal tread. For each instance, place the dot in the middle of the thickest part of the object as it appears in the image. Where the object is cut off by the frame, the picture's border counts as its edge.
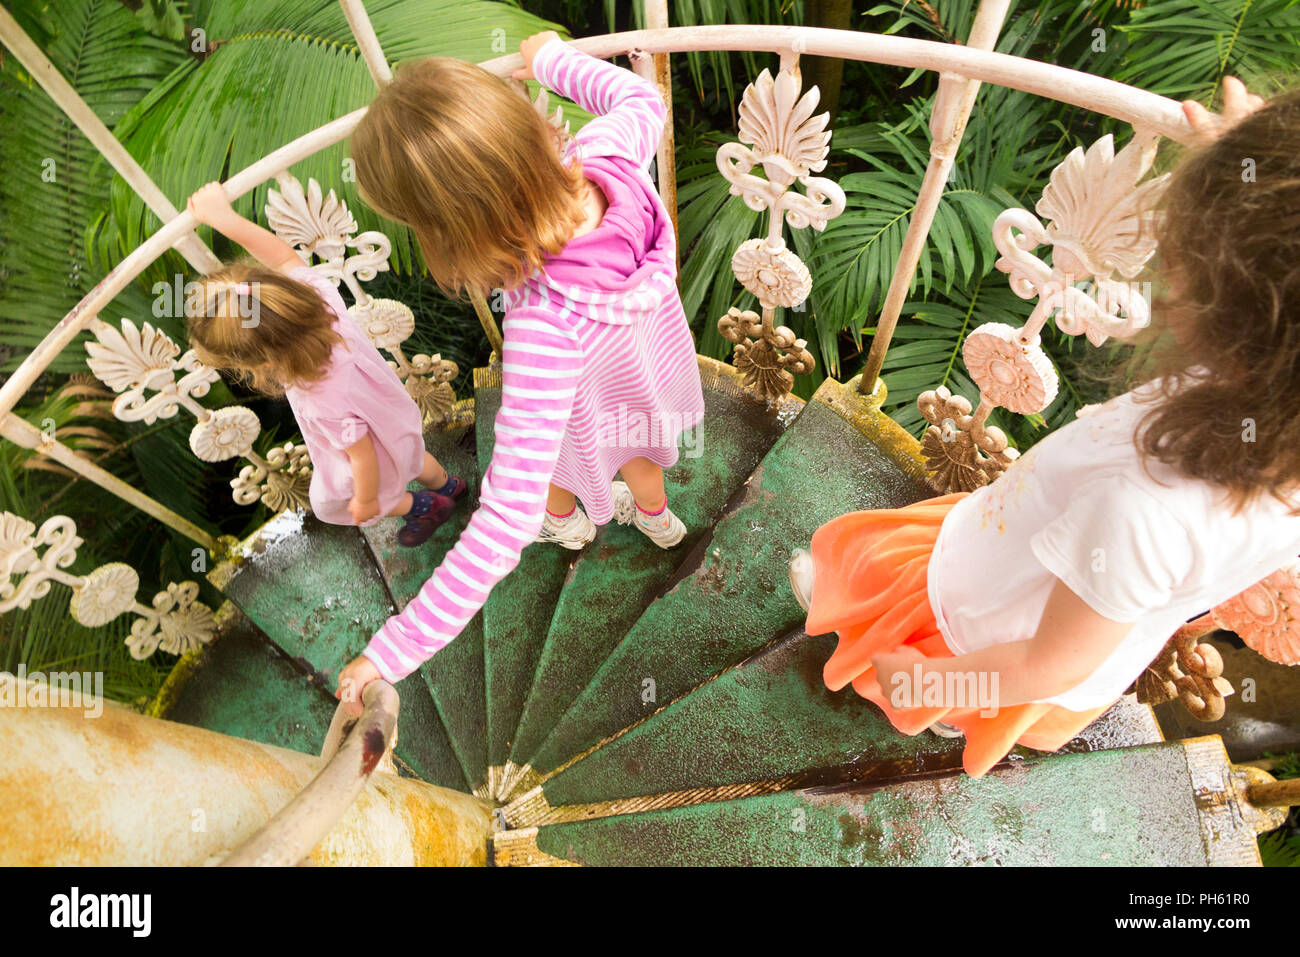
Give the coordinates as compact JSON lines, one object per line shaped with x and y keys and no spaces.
{"x":1089,"y":808}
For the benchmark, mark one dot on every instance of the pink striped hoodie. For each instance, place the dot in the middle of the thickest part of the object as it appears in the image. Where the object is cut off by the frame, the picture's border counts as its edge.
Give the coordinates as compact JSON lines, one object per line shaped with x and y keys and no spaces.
{"x":594,"y":340}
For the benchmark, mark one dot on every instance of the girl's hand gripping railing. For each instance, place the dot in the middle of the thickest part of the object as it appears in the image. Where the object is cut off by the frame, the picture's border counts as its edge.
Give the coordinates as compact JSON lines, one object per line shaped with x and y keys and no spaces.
{"x":354,"y":748}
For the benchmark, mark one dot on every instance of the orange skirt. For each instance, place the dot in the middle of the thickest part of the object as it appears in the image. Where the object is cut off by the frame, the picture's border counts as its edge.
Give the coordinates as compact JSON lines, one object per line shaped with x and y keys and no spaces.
{"x":870,"y":588}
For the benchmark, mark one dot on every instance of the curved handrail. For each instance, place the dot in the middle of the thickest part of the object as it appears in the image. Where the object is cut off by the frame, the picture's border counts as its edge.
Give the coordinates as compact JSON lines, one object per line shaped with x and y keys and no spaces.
{"x":353,"y":749}
{"x":1130,"y":104}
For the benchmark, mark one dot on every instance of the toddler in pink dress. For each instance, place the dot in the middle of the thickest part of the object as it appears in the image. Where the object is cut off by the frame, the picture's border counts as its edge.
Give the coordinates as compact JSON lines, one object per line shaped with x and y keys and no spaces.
{"x":285,"y":328}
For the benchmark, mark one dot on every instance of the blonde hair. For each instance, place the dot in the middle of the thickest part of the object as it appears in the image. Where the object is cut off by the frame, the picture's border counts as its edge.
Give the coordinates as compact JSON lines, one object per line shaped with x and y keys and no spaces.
{"x":473,"y":169}
{"x":268,"y":329}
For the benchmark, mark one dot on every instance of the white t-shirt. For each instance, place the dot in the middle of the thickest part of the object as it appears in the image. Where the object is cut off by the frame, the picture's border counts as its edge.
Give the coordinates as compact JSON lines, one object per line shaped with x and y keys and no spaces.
{"x":1155,"y":549}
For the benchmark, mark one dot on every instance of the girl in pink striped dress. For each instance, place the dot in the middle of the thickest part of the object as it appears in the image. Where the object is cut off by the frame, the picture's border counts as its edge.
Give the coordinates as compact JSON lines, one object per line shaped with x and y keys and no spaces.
{"x":599,"y":375}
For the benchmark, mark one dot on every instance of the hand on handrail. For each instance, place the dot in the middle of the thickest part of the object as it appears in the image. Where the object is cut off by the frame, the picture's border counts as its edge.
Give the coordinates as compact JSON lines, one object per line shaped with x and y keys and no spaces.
{"x":1238,"y":103}
{"x":353,"y":680}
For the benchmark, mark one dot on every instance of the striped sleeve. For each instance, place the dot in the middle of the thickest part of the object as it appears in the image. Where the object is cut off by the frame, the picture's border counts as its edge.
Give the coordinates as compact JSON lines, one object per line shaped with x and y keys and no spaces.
{"x":629,"y":111}
{"x":541,"y":362}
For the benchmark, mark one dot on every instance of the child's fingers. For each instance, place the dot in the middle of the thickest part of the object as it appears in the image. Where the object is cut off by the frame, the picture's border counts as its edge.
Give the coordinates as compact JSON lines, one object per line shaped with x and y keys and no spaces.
{"x":1238,"y":102}
{"x":1203,"y":123}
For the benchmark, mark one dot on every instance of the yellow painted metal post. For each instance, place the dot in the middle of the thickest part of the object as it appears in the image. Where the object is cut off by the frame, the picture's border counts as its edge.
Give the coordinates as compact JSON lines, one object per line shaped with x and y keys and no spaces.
{"x":117,"y":788}
{"x":952,"y":108}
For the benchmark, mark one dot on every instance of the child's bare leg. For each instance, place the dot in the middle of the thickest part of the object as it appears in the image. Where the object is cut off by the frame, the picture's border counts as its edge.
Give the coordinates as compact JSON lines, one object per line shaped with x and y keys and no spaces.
{"x":560,"y":501}
{"x":403,"y":505}
{"x":433,"y":475}
{"x":646,"y":481}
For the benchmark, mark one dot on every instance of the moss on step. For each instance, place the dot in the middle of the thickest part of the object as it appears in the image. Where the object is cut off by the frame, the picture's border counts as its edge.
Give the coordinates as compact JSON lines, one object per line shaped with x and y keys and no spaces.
{"x":517,"y":614}
{"x":769,"y":724}
{"x":241,"y":686}
{"x":312,"y":588}
{"x":454,"y":678}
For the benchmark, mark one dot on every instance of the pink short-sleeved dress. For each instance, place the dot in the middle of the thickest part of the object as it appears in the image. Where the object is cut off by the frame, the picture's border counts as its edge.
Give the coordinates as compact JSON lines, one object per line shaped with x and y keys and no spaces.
{"x":359,"y":395}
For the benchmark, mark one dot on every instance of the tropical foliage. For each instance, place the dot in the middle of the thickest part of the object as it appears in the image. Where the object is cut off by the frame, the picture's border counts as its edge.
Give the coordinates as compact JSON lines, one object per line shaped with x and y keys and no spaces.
{"x":196,"y":91}
{"x":1179,"y":48}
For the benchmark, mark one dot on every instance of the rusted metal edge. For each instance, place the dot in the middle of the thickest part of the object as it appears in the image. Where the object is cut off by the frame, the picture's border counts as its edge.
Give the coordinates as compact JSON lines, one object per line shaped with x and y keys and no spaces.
{"x":519,"y":849}
{"x":1228,"y":823}
{"x":189,"y":664}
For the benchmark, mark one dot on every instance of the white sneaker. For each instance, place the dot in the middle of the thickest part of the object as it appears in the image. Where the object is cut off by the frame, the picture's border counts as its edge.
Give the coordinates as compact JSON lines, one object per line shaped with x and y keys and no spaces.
{"x":801,"y":577}
{"x":664,"y":529}
{"x":947,"y":730}
{"x":574,"y":531}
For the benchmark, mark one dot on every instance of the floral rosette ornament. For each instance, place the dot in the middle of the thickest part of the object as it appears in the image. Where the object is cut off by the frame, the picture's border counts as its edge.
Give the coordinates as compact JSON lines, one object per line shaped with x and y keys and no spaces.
{"x":104,"y":594}
{"x":387,"y":323}
{"x":1264,"y":616}
{"x":225,"y":434}
{"x":1012,"y":374}
{"x":774,"y":274}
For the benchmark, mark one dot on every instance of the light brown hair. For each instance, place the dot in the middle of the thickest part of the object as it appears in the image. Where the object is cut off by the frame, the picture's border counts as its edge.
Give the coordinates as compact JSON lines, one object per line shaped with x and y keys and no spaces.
{"x":268,"y":329}
{"x":473,"y":169}
{"x":1230,"y":249}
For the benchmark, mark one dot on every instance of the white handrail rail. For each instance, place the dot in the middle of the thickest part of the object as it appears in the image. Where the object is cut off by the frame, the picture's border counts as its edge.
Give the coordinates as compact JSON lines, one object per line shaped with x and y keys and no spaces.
{"x":1130,"y":104}
{"x":353,"y":751}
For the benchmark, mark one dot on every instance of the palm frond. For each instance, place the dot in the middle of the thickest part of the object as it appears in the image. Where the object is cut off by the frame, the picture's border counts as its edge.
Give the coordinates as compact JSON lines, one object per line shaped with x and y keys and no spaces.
{"x":274,"y":71}
{"x":52,"y":181}
{"x":1184,"y":48}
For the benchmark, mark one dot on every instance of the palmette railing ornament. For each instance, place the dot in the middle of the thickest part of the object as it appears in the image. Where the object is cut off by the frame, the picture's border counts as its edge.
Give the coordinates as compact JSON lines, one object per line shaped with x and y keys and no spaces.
{"x":32,"y":559}
{"x":779,"y":133}
{"x":141,"y":364}
{"x":320,"y":227}
{"x":1266,"y":616}
{"x":1098,"y":217}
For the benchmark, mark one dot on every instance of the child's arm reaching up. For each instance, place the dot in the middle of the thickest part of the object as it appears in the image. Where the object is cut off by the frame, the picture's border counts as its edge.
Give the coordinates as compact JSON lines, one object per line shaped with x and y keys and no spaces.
{"x":1071,"y":643}
{"x":210,"y":206}
{"x":629,"y":111}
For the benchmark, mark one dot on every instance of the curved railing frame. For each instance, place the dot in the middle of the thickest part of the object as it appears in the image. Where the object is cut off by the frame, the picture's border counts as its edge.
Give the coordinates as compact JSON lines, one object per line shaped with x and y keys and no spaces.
{"x":354,"y":749}
{"x":1127,"y":103}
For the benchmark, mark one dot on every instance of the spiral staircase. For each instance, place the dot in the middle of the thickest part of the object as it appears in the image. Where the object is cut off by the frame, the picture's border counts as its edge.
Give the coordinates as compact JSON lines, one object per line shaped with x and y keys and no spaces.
{"x":627,"y":705}
{"x":619,"y":706}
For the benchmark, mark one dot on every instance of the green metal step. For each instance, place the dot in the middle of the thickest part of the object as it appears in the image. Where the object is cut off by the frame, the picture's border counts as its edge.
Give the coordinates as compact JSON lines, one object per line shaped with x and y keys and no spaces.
{"x":317,"y":593}
{"x":454,"y":677}
{"x":241,"y":685}
{"x":623,"y":571}
{"x":1091,"y":808}
{"x":517,"y":614}
{"x":840,"y":454}
{"x":768,"y":724}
